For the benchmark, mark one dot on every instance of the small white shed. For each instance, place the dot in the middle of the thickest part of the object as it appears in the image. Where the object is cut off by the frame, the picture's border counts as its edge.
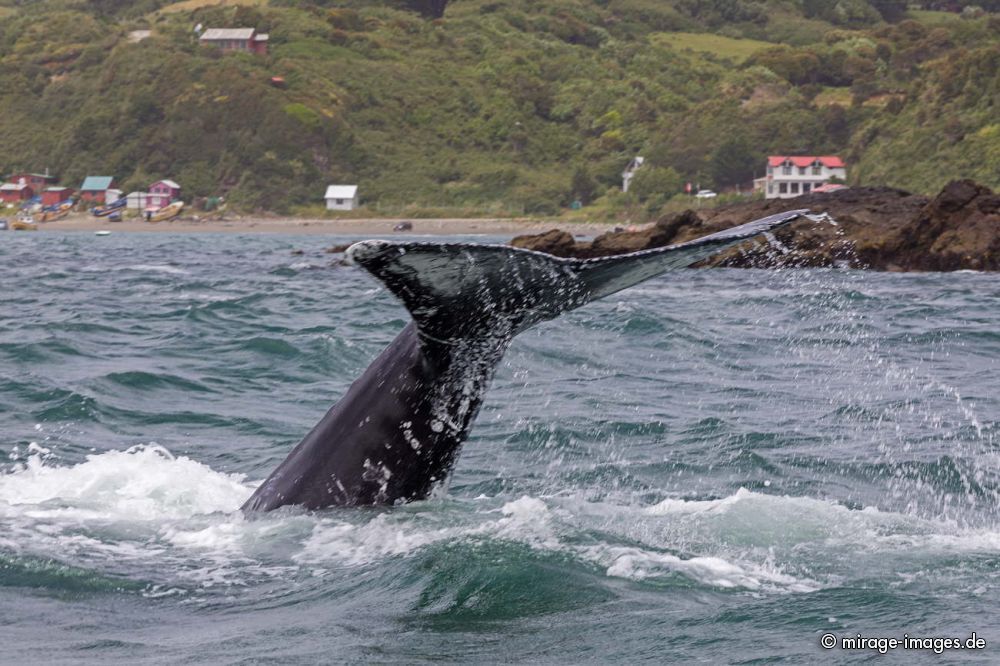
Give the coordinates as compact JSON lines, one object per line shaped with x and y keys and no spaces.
{"x":341,"y":197}
{"x":136,"y":200}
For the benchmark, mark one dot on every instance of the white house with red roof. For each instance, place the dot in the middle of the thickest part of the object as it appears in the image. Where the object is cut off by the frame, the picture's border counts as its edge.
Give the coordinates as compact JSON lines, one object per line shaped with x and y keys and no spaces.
{"x":794,"y":175}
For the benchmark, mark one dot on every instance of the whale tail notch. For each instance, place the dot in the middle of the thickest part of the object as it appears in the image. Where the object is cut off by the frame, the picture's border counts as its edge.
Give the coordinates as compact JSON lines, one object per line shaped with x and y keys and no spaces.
{"x":462,"y":290}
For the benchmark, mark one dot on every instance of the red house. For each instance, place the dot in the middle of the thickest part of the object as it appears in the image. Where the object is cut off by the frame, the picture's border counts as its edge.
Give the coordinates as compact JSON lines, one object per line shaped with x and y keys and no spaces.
{"x":15,"y":192}
{"x":54,"y":195}
{"x":161,"y":193}
{"x":236,"y":39}
{"x":94,"y":188}
{"x":36,"y":181}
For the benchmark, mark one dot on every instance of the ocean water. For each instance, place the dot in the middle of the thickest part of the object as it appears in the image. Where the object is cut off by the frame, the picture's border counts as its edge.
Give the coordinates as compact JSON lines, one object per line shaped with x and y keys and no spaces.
{"x":717,"y":466}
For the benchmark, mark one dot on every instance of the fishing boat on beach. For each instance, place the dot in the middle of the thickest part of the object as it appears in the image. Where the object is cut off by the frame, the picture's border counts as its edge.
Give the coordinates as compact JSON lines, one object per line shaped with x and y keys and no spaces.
{"x":168,"y":212}
{"x":107,"y":209}
{"x":55,"y":211}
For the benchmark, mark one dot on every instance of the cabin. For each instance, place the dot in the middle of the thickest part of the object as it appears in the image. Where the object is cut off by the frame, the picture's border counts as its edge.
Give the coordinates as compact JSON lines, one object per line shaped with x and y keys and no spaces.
{"x":791,"y":176}
{"x":95,"y":189}
{"x":236,"y":39}
{"x":56,"y":195}
{"x":14,"y":193}
{"x":136,"y":200}
{"x":162,"y":193}
{"x":36,"y":181}
{"x":341,"y":197}
{"x":629,"y":173}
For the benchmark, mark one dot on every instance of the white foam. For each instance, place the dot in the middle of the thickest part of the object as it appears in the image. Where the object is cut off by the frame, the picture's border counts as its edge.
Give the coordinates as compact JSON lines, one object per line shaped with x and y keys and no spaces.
{"x":145,"y":509}
{"x":158,"y":268}
{"x":145,"y":482}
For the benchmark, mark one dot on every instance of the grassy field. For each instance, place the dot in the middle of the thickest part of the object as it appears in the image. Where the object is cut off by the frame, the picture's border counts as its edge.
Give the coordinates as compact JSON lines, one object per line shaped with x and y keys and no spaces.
{"x":928,"y":17}
{"x":841,"y":96}
{"x":735,"y":50}
{"x":191,"y":5}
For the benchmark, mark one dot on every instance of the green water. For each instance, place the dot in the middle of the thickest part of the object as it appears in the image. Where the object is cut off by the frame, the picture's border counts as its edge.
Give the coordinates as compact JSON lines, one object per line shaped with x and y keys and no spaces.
{"x":713,"y":467}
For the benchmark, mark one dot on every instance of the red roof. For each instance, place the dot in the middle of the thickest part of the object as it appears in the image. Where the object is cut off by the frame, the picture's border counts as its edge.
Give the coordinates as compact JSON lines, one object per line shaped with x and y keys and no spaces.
{"x":829,"y":161}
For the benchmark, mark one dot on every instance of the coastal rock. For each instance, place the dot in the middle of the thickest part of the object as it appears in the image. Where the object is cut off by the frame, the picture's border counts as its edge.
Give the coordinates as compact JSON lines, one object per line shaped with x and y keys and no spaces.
{"x":557,"y":242}
{"x":879,"y":228}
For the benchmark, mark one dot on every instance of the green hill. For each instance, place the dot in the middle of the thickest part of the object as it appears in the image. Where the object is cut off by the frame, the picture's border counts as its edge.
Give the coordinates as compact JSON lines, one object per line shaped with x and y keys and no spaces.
{"x":502,"y":107}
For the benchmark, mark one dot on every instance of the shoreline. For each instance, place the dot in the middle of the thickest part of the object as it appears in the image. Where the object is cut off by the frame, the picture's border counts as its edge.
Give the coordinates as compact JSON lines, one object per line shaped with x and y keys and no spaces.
{"x":316,"y":226}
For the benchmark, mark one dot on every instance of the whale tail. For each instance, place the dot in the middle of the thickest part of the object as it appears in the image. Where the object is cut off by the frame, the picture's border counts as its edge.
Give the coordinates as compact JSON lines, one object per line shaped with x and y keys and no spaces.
{"x":461,"y":290}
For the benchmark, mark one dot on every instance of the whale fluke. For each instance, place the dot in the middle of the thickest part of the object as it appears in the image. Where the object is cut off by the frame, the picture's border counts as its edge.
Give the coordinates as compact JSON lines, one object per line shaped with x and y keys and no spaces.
{"x":398,"y":430}
{"x":454,"y":289}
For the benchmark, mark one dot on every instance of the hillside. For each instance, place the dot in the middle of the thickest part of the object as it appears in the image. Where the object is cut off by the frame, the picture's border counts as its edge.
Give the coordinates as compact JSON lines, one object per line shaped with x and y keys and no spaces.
{"x":501,"y":107}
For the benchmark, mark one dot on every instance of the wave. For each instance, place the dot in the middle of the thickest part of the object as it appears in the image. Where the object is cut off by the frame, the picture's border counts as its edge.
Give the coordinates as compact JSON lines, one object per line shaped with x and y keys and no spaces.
{"x":168,"y":525}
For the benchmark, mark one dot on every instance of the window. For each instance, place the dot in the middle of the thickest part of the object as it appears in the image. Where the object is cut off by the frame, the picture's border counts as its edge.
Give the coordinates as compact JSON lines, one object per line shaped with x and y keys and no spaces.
{"x":783,"y":188}
{"x":340,"y":202}
{"x":806,"y":187}
{"x":817,"y":169}
{"x":787,"y":169}
{"x":802,"y":171}
{"x":795,"y":188}
{"x":770,"y":188}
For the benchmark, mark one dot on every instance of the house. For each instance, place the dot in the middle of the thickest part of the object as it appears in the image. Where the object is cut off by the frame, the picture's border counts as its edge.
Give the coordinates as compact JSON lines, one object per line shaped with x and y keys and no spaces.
{"x":13,"y":193}
{"x":791,"y":176}
{"x":629,"y":173}
{"x":341,"y":197}
{"x":162,"y":193}
{"x":95,"y":189}
{"x":36,"y":181}
{"x":136,"y":200}
{"x":56,"y":195}
{"x":235,"y":39}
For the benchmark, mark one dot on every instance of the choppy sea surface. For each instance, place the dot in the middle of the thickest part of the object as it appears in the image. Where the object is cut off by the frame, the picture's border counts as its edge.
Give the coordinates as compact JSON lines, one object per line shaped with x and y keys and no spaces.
{"x":716,"y":466}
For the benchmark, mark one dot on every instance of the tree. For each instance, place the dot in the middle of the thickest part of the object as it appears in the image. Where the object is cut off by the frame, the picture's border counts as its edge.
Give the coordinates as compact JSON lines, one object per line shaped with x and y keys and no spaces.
{"x":732,"y":163}
{"x":649,"y":182}
{"x":428,"y":8}
{"x":891,"y":10}
{"x":583,"y":185}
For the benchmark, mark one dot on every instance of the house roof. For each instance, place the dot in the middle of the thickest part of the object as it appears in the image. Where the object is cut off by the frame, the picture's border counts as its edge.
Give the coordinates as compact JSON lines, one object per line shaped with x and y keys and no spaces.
{"x":262,"y":37}
{"x":21,"y":174}
{"x":12,"y":187}
{"x":829,"y":161}
{"x":341,"y":192}
{"x":96,"y":183}
{"x":57,"y":188}
{"x":169,"y":183}
{"x":213,"y":34}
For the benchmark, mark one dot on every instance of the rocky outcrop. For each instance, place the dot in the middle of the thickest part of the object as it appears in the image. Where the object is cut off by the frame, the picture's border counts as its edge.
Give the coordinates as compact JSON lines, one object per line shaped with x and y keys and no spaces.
{"x":875,"y":227}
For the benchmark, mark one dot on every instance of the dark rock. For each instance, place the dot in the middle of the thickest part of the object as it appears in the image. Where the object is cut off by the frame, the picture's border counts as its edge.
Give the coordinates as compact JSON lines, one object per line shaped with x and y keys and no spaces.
{"x":557,"y":242}
{"x":875,"y":227}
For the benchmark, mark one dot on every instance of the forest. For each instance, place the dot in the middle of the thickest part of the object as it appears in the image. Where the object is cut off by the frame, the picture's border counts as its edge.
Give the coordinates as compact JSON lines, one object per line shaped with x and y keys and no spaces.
{"x":498,"y":107}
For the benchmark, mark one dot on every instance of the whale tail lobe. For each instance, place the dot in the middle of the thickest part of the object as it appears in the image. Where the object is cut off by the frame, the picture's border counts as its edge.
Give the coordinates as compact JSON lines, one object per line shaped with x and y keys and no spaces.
{"x":460,"y":290}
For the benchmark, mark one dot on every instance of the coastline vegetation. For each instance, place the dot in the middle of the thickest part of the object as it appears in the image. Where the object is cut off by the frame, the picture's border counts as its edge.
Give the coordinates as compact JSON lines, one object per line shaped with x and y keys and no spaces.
{"x":499,"y":107}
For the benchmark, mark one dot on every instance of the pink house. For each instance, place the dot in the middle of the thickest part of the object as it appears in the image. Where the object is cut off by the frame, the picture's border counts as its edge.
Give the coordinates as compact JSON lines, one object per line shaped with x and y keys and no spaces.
{"x":162,"y":192}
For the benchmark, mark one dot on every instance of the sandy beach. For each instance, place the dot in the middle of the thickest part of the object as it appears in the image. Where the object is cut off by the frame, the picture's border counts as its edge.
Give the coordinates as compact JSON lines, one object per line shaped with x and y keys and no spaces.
{"x":373,"y":226}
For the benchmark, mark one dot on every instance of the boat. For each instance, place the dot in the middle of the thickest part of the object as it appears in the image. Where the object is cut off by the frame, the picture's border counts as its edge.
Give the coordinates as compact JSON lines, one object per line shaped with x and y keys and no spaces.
{"x":3,"y":225}
{"x":102,"y":232}
{"x":24,"y":222}
{"x":107,"y":209}
{"x":55,"y":211}
{"x":168,"y":212}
